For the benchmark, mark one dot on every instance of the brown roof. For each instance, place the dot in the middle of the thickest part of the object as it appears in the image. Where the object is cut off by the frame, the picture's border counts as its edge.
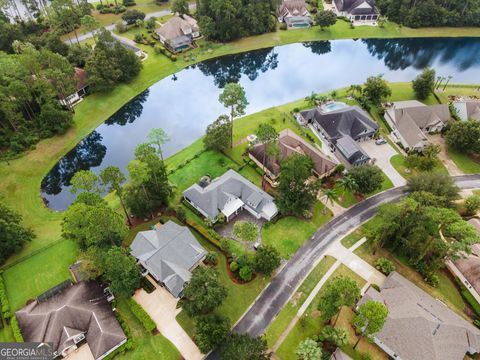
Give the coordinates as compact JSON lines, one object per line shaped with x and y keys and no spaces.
{"x":79,"y":309}
{"x":177,"y":27}
{"x":293,"y":8}
{"x":81,"y":76}
{"x":290,"y":143}
{"x":419,"y":327}
{"x":470,"y":266}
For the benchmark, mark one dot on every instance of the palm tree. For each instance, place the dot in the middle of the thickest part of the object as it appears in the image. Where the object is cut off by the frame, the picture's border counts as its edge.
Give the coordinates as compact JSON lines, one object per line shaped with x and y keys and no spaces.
{"x":312,"y":99}
{"x":448,"y":80}
{"x":330,"y":195}
{"x":347,"y":183}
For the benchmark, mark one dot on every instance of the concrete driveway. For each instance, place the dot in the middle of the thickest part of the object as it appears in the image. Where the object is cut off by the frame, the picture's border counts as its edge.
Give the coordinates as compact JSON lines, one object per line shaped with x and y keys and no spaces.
{"x":162,"y":307}
{"x":382,"y":155}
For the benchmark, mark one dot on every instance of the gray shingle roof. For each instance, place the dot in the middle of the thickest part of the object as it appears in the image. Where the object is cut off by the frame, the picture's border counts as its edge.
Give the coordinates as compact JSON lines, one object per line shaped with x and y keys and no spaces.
{"x":178,"y":27}
{"x":228,"y":187}
{"x":419,"y":327}
{"x":351,"y":151}
{"x":79,"y":309}
{"x":357,"y":7}
{"x":168,"y":253}
{"x":293,"y":8}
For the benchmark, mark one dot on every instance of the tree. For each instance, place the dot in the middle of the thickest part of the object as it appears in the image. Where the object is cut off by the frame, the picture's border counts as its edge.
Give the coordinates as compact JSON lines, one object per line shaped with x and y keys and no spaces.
{"x":308,"y":349}
{"x":13,"y":235}
{"x":90,"y":24}
{"x":267,"y":259}
{"x":245,"y":230}
{"x":91,"y":263}
{"x":204,"y":293}
{"x":336,"y":335}
{"x":367,"y":178}
{"x":438,"y":184}
{"x":424,"y":83}
{"x":464,"y":136}
{"x":180,"y":7}
{"x":246,"y":273}
{"x":268,"y":136}
{"x":347,"y":183}
{"x":325,"y":18}
{"x":330,"y":195}
{"x":132,"y":15}
{"x":218,"y":134}
{"x":139,"y":174}
{"x":85,"y":180}
{"x":233,"y":97}
{"x":158,"y":137}
{"x":376,"y":89}
{"x":113,"y":179}
{"x":341,"y":291}
{"x":211,"y":331}
{"x":121,"y":271}
{"x":472,"y":204}
{"x":244,"y":347}
{"x":296,"y":195}
{"x":370,"y":319}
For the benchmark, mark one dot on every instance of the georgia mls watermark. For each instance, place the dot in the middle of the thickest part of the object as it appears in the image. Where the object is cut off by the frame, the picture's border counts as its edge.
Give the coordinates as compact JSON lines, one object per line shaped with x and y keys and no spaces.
{"x":26,"y":351}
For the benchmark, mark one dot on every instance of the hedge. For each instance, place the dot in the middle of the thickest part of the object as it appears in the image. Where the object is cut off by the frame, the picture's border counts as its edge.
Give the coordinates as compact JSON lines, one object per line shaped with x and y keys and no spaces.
{"x":6,"y":311}
{"x":126,"y":346}
{"x":209,"y":234}
{"x":142,"y":315}
{"x":17,"y":333}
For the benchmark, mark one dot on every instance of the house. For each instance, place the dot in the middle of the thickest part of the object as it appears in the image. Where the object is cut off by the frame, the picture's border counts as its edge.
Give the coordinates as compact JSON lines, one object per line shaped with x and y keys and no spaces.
{"x":168,"y":253}
{"x":419,"y":327}
{"x":411,"y":120}
{"x":467,"y":269}
{"x":294,"y":13}
{"x":357,"y":11}
{"x":179,"y":33}
{"x":342,"y":129}
{"x":290,"y":143}
{"x":228,"y":195}
{"x":81,"y":89}
{"x":467,"y":110}
{"x":70,"y":316}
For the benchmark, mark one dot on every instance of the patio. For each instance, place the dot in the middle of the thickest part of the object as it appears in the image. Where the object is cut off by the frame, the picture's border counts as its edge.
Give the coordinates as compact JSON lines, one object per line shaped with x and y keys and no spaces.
{"x":226,"y":230}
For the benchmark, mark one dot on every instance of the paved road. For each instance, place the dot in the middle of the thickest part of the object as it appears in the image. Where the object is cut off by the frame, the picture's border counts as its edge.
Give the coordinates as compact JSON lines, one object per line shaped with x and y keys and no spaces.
{"x":281,"y":288}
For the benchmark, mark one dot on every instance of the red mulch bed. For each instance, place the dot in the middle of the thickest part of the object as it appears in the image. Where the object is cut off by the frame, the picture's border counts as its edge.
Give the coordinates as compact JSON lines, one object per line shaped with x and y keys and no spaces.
{"x":234,"y":277}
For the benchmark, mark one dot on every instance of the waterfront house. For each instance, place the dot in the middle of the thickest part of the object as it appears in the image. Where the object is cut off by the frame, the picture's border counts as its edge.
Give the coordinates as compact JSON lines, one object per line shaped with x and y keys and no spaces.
{"x":179,"y":33}
{"x":294,"y":13}
{"x":357,"y":11}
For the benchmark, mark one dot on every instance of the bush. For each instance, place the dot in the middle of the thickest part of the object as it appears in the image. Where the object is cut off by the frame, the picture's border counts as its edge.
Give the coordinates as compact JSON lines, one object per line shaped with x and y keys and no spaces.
{"x":432,"y":279}
{"x":283,"y":26}
{"x":472,"y":204}
{"x":6,"y":311}
{"x":181,"y":214}
{"x":120,"y":26}
{"x":211,"y":258}
{"x":159,"y":49}
{"x":138,"y":38}
{"x":142,"y":315}
{"x":17,"y":333}
{"x":131,"y":16}
{"x":384,"y":265}
{"x":245,"y":230}
{"x":173,"y":58}
{"x":246,"y":273}
{"x":234,"y":266}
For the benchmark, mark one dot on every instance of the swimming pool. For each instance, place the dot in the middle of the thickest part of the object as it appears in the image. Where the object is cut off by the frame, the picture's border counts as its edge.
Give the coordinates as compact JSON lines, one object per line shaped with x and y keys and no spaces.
{"x":337,"y":105}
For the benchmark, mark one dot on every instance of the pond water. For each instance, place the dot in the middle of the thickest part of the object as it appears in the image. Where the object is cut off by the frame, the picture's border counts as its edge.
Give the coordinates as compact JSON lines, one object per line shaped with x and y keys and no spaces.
{"x":185,"y":104}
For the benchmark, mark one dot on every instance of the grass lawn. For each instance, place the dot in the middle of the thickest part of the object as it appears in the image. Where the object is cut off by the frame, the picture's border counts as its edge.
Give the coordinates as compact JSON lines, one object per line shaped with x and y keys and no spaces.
{"x":37,"y":274}
{"x":146,"y":346}
{"x":288,"y":312}
{"x":310,"y":324}
{"x":398,"y":162}
{"x":447,"y":291}
{"x":289,"y":233}
{"x":464,"y":163}
{"x":359,"y":233}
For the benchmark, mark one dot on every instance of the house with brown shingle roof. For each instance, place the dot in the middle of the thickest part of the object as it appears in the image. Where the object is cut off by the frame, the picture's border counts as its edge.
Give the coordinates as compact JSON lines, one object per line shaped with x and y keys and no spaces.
{"x":411,"y":120}
{"x":290,"y":143}
{"x":419,"y":327}
{"x":179,"y":33}
{"x":468,"y":110}
{"x":294,"y":13}
{"x":71,"y":316}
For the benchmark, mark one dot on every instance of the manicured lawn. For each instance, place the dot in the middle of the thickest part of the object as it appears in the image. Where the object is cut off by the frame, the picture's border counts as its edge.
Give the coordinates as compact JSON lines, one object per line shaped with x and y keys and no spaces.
{"x":6,"y":334}
{"x":464,"y":163}
{"x":146,"y":346}
{"x":446,"y":291}
{"x":37,"y":274}
{"x":289,"y":311}
{"x":359,"y":233}
{"x":289,"y":233}
{"x":398,"y":162}
{"x":310,"y":324}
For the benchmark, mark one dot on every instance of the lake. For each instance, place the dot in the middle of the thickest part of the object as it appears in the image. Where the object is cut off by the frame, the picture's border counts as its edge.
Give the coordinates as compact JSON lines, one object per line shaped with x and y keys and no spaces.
{"x":185,"y":104}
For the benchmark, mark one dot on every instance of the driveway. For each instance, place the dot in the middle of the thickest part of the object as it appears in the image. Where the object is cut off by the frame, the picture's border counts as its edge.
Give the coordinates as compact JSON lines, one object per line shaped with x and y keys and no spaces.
{"x":382,"y":155}
{"x":452,"y":168}
{"x":162,"y":308}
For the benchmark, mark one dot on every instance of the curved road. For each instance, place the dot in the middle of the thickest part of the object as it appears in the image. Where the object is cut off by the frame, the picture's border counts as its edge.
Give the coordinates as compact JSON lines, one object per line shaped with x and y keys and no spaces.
{"x":269,"y":303}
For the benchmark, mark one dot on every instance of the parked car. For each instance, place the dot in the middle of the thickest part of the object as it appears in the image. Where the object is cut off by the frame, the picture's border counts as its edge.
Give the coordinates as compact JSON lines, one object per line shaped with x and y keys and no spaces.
{"x":380,"y":141}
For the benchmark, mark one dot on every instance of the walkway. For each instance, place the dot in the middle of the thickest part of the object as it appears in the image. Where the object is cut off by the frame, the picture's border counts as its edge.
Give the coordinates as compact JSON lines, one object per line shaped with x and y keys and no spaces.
{"x":162,"y":307}
{"x":257,"y":318}
{"x":452,"y":168}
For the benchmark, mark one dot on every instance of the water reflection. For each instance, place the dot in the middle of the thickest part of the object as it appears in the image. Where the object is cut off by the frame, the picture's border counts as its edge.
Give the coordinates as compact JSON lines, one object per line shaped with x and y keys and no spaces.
{"x":184,"y":107}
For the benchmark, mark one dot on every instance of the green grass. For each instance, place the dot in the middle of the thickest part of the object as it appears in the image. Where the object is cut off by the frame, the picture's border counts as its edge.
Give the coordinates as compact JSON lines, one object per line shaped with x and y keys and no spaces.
{"x":289,"y":311}
{"x":289,"y":233}
{"x":463,"y":162}
{"x":146,"y":346}
{"x":6,"y":334}
{"x":398,"y":162}
{"x":39,"y":273}
{"x":310,"y":324}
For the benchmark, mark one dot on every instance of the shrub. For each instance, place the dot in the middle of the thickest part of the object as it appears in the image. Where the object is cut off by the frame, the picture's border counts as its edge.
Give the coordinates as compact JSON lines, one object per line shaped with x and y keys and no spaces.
{"x":245,"y":230}
{"x":131,"y":16}
{"x":384,"y":265}
{"x":181,"y":214}
{"x":142,"y":315}
{"x":472,"y":204}
{"x":211,"y":258}
{"x":17,"y":333}
{"x":432,"y":279}
{"x":173,"y":58}
{"x":283,"y":26}
{"x":120,"y":26}
{"x":246,"y":273}
{"x":234,"y":266}
{"x":138,"y":38}
{"x":6,"y":311}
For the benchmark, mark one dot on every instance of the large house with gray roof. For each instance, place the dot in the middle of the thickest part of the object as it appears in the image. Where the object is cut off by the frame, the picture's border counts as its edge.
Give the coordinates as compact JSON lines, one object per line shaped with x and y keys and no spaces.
{"x":342,"y":130}
{"x":411,"y":120}
{"x":357,"y":11}
{"x":168,"y":253}
{"x":228,"y":195}
{"x":419,"y":327}
{"x":294,"y":13}
{"x":179,"y":33}
{"x":72,"y":316}
{"x":467,"y":110}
